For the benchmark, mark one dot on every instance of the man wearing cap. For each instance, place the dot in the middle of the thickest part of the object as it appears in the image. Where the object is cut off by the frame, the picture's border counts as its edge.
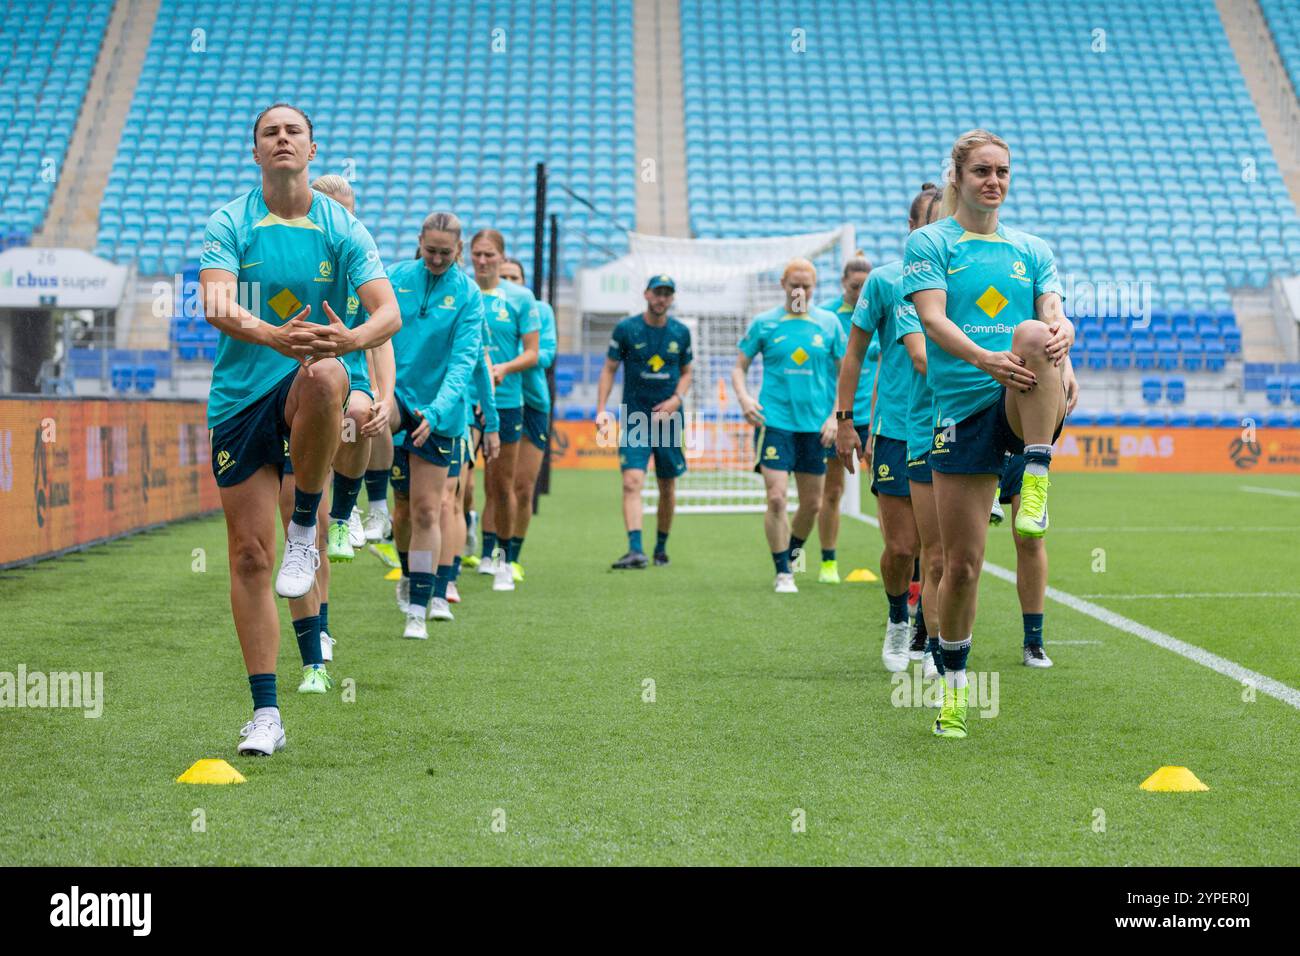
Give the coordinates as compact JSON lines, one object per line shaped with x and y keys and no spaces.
{"x":656,"y":354}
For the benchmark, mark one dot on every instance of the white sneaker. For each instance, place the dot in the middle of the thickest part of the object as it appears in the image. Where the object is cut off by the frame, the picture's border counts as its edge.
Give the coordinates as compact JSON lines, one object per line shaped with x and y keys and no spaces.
{"x":928,"y":670}
{"x":439,"y":610}
{"x":404,"y":595}
{"x":785,"y":584}
{"x":894,"y":651}
{"x":1034,"y":657}
{"x":326,"y":646}
{"x":297,"y":569}
{"x":416,"y":628}
{"x":487,"y":565}
{"x":261,"y":736}
{"x":996,"y":514}
{"x":453,"y":595}
{"x":377,"y":525}
{"x":503,"y":576}
{"x":356,"y":533}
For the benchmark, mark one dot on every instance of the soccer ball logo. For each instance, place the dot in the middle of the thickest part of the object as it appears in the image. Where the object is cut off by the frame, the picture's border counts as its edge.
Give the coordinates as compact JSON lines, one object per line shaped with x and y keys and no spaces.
{"x":326,"y":268}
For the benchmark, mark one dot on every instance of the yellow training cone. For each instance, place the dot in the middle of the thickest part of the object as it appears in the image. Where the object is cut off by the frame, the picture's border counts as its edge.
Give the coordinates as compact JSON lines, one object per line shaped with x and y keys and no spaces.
{"x":211,"y":771}
{"x":394,"y":575}
{"x":861,"y":574}
{"x":1173,"y":780}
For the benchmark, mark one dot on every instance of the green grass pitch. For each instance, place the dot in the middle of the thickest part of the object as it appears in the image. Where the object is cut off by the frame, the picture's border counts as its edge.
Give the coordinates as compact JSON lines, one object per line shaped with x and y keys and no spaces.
{"x":529,"y":709}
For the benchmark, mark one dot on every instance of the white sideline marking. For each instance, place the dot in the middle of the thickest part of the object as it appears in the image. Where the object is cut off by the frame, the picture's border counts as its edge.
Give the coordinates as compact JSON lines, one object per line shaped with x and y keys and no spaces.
{"x":1072,"y":642}
{"x":1193,"y":594}
{"x":1221,"y":665}
{"x":1271,"y":491}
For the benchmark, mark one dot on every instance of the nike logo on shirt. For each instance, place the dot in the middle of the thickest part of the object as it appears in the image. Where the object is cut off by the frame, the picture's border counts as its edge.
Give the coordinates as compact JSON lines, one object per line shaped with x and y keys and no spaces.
{"x":958,"y":269}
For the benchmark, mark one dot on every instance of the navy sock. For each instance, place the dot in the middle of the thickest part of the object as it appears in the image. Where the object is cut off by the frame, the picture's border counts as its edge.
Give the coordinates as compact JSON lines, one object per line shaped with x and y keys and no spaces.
{"x":796,"y":544}
{"x":916,"y":569}
{"x":513,"y":547}
{"x":401,"y":557}
{"x":954,"y":654}
{"x":455,"y":568}
{"x":828,"y":554}
{"x":263,"y":688}
{"x":377,"y":484}
{"x":489,"y":543}
{"x":1033,"y":630}
{"x":440,"y":582}
{"x":304,"y":507}
{"x":897,"y":607}
{"x":782,"y":561}
{"x":920,"y":620}
{"x":345,"y":496}
{"x":307,"y":630}
{"x":932,"y":648}
{"x":661,"y":542}
{"x":1039,"y":458}
{"x":634,"y":541}
{"x":421,"y":587}
{"x":325,"y":616}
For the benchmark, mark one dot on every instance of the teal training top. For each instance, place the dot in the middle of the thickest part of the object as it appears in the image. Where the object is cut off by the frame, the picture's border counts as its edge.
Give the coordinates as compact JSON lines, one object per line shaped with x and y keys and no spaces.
{"x":511,"y":314}
{"x":440,"y":341}
{"x":653,"y":358}
{"x":920,"y":399}
{"x":480,"y":393}
{"x":875,"y":314}
{"x":800,"y":356}
{"x":992,"y":283}
{"x":536,"y":393}
{"x":281,"y":265}
{"x":867,"y":380}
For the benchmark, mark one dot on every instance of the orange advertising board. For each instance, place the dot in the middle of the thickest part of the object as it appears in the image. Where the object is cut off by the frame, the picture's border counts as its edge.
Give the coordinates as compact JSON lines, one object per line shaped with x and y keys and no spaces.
{"x":1223,"y":450}
{"x":74,"y":471}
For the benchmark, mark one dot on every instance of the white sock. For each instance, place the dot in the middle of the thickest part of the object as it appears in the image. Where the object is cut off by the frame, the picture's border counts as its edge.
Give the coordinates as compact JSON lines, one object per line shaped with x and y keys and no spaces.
{"x":302,"y":534}
{"x":1037,"y":467}
{"x":272,"y":712}
{"x":379,"y":507}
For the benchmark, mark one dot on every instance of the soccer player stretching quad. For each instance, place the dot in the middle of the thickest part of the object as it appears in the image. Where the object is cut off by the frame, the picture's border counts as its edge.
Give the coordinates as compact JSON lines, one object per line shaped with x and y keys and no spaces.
{"x":989,"y":300}
{"x":276,"y":266}
{"x":655,"y":350}
{"x":794,"y":415}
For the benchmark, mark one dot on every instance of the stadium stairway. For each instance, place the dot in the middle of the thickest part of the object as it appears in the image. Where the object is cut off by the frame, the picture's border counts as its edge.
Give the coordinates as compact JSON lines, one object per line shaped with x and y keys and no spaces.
{"x":1257,"y":319}
{"x":660,"y":119}
{"x":73,"y":217}
{"x":1269,"y":85}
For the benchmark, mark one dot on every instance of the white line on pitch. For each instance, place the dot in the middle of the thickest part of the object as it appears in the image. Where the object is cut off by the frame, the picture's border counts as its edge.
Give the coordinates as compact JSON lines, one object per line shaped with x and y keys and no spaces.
{"x":1221,"y":665}
{"x":1193,"y":594}
{"x":1072,"y":642}
{"x":1271,"y":491}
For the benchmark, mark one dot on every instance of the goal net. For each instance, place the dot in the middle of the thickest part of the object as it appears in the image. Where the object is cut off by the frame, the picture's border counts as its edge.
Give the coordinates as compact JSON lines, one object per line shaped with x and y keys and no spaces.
{"x":721,"y":285}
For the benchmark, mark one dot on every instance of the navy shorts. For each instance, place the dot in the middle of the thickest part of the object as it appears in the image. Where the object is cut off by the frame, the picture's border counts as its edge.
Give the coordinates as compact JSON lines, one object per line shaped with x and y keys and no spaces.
{"x":978,"y":444}
{"x":889,"y":468}
{"x":642,"y":435}
{"x":918,"y":469}
{"x":255,"y":436}
{"x":459,"y":450}
{"x":1013,"y":473}
{"x":537,"y":426}
{"x":512,"y":425}
{"x":436,"y":450}
{"x":781,"y":450}
{"x":399,"y":476}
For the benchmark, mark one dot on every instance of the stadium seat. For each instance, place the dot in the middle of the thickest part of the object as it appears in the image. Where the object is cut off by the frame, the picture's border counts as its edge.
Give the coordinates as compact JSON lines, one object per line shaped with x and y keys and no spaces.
{"x":122,"y":377}
{"x":1176,"y":390}
{"x":1151,"y":390}
{"x":145,"y":378}
{"x":1131,"y":419}
{"x":1204,"y":420}
{"x":1155,"y":420}
{"x":1180,"y":420}
{"x":1275,"y":389}
{"x":1293,"y":390}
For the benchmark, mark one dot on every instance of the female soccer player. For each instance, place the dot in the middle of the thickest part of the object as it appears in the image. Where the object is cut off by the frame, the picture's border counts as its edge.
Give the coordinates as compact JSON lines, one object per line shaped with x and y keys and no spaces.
{"x":514,"y":327}
{"x":276,"y":266}
{"x":436,"y":350}
{"x":537,"y":418}
{"x":990,"y":302}
{"x":655,"y":351}
{"x":794,"y":416}
{"x":852,"y":279}
{"x":917,"y":424}
{"x":876,"y":318}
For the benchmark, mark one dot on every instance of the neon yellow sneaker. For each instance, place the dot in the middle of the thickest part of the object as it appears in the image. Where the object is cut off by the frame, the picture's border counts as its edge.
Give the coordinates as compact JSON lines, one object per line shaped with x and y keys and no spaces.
{"x":340,"y":547}
{"x":952,"y":715}
{"x":517,"y":572}
{"x":830,"y":572}
{"x":386,"y":553}
{"x":469,"y":561}
{"x":315,"y":678}
{"x":1031,"y":522}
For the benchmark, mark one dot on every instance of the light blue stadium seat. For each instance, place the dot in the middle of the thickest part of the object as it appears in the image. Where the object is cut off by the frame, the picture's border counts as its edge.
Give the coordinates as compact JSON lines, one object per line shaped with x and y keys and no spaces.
{"x":1175,"y":390}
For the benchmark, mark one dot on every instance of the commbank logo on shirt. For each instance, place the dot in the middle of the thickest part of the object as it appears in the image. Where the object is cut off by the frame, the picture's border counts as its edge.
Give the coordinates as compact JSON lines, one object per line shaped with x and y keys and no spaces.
{"x":655,"y":362}
{"x":799,"y":356}
{"x":285,"y":303}
{"x":991,"y":302}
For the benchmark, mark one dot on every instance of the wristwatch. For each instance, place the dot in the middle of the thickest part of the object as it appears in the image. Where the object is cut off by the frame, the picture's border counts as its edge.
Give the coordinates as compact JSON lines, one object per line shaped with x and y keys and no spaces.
{"x":843,"y":416}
